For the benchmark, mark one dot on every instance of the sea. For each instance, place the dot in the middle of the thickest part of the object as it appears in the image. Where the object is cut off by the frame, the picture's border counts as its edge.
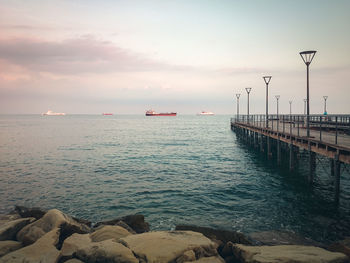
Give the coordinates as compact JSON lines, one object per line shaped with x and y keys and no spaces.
{"x":186,"y":169}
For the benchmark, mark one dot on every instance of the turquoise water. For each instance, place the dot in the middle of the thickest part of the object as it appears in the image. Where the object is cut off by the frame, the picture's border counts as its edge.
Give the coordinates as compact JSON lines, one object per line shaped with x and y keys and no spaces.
{"x":174,"y":170}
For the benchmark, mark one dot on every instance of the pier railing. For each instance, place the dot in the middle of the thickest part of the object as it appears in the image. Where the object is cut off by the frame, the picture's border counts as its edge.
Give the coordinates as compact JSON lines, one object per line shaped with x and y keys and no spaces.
{"x":333,"y":129}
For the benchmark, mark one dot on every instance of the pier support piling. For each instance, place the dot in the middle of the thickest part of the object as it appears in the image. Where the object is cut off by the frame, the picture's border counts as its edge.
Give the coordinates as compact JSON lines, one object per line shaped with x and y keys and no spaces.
{"x":278,"y":152}
{"x":332,"y":167}
{"x":312,"y":165}
{"x":269,"y":153}
{"x":262,"y":143}
{"x":291,"y":157}
{"x":336,"y":178}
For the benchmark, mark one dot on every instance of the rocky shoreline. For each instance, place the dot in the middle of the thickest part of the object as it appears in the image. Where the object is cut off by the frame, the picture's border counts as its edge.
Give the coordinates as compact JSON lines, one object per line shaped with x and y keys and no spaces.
{"x":35,"y":235}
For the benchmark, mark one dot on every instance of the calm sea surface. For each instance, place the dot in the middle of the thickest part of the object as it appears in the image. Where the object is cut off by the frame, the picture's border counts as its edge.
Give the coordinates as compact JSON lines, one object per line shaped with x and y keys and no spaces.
{"x":174,"y":170}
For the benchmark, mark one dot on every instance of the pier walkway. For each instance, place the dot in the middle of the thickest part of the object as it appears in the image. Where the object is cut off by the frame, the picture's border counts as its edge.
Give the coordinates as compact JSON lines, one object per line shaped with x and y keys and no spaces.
{"x":329,"y":136}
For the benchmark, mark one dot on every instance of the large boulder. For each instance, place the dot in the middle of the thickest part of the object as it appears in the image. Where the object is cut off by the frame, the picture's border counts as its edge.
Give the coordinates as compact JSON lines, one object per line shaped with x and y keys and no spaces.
{"x":9,"y":228}
{"x":106,"y":251}
{"x":286,"y":254}
{"x":78,"y":241}
{"x":342,"y":246}
{"x":9,"y":246}
{"x":135,"y":222}
{"x":164,"y":246}
{"x":43,"y":250}
{"x":51,"y":220}
{"x":109,"y":232}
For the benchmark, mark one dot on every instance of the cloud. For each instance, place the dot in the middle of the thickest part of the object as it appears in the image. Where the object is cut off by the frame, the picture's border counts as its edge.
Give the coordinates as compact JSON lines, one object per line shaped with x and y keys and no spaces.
{"x":81,"y":55}
{"x":25,"y":27}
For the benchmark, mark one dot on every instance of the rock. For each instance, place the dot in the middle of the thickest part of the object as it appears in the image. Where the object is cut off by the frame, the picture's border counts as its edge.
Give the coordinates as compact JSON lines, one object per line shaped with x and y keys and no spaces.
{"x":125,"y":226}
{"x":188,"y":255}
{"x":73,"y":243}
{"x":35,"y":212}
{"x":9,"y":229}
{"x":164,"y":246}
{"x":217,"y":259}
{"x":342,"y":246}
{"x":109,"y":232}
{"x":83,"y":221}
{"x":116,"y":222}
{"x":227,"y":250}
{"x":106,"y":251}
{"x":51,"y":220}
{"x":73,"y":260}
{"x":43,"y":250}
{"x":223,"y":235}
{"x":274,"y":237}
{"x":286,"y":254}
{"x":9,"y":246}
{"x":77,"y":241}
{"x":136,"y":222}
{"x":9,"y":217}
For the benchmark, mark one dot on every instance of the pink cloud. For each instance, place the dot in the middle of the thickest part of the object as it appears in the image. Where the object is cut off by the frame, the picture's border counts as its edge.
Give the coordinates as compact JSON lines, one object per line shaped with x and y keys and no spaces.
{"x":73,"y":56}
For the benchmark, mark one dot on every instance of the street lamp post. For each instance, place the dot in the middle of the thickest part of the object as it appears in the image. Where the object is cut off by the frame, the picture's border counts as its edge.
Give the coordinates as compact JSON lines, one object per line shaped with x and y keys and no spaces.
{"x":325,"y":104}
{"x":307,"y":57}
{"x":277,"y":98}
{"x":267,"y":81}
{"x":237,"y":96}
{"x":248,"y":90}
{"x":290,"y":107}
{"x":305,"y":106}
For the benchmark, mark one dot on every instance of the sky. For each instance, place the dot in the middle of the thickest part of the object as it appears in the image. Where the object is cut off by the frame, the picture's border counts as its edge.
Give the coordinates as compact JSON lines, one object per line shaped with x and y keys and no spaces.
{"x":127,"y":56}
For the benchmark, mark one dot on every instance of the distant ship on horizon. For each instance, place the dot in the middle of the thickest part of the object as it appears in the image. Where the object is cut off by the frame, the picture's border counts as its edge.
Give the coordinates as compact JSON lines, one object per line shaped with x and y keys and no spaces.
{"x":206,"y":113}
{"x":107,"y":114}
{"x":153,"y":113}
{"x":51,"y":113}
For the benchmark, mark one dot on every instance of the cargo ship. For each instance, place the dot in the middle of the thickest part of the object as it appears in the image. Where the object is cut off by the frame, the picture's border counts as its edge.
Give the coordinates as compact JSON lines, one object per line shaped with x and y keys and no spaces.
{"x":51,"y":113}
{"x":153,"y":113}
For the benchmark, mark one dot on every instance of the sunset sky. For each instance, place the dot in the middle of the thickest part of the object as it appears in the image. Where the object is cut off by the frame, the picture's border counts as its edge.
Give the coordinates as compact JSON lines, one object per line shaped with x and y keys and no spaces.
{"x":89,"y":57}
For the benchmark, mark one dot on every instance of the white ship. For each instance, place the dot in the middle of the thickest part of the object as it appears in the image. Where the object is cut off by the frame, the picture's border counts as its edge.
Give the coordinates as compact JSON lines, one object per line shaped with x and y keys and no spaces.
{"x":206,"y":113}
{"x":51,"y":113}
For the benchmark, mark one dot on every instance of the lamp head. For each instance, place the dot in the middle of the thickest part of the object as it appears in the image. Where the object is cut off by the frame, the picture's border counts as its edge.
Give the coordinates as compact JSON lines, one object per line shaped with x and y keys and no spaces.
{"x":277,"y":97}
{"x":248,"y":90}
{"x":238,"y":95}
{"x":267,"y":79}
{"x":290,"y":102}
{"x":307,"y":56}
{"x":325,"y":97}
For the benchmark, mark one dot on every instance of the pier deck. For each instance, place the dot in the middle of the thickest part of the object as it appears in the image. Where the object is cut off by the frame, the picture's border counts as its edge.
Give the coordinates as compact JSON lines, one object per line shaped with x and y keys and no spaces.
{"x":329,"y":136}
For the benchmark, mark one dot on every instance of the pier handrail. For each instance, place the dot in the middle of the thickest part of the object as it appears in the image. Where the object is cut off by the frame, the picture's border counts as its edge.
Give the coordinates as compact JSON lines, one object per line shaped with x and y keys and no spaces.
{"x":332,"y":128}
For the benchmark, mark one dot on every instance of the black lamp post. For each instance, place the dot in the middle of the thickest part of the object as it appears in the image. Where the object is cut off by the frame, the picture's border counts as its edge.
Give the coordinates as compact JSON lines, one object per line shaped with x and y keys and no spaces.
{"x":290,"y":107}
{"x":307,"y":57}
{"x":267,"y":81}
{"x":277,"y":98}
{"x":237,"y":96}
{"x":325,"y":104}
{"x":248,"y":90}
{"x":305,"y":106}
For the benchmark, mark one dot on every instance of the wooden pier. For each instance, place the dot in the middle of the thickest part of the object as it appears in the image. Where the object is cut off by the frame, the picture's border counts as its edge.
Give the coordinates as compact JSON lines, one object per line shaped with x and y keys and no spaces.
{"x":329,"y":137}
